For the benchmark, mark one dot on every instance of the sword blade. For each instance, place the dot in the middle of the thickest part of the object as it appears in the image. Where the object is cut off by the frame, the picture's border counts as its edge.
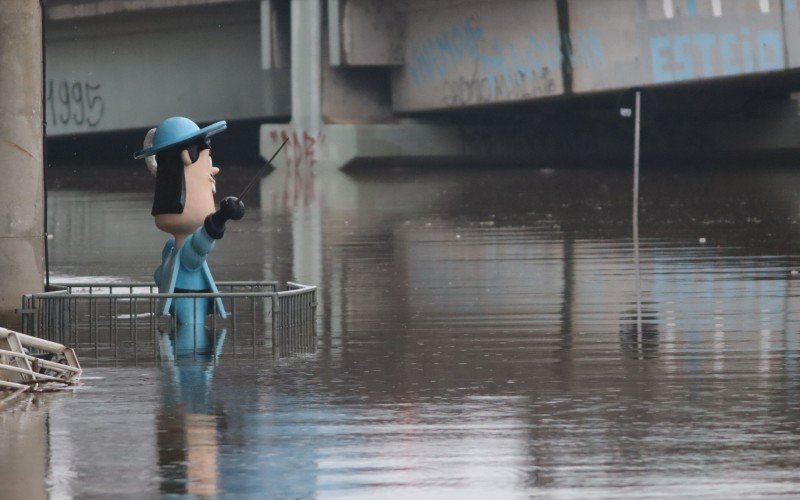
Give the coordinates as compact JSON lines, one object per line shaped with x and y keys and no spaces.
{"x":258,"y":173}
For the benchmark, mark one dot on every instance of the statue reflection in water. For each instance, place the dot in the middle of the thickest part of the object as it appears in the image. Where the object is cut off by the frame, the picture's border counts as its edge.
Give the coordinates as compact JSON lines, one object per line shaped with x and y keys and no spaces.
{"x":187,"y":425}
{"x":208,"y":440}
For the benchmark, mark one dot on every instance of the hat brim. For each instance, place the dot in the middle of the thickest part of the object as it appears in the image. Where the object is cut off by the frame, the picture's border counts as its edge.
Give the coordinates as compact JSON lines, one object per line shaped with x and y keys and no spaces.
{"x":204,"y":132}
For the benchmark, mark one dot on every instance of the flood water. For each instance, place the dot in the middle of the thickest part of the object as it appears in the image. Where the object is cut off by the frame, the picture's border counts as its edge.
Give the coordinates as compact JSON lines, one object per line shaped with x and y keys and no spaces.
{"x":476,"y":338}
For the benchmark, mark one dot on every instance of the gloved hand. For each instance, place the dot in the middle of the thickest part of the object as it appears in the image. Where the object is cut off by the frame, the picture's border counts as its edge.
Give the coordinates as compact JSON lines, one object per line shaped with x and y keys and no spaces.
{"x":229,"y":209}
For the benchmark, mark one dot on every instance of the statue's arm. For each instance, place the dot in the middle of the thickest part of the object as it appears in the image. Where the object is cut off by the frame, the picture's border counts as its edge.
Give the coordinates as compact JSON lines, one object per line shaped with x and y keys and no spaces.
{"x":197,"y":248}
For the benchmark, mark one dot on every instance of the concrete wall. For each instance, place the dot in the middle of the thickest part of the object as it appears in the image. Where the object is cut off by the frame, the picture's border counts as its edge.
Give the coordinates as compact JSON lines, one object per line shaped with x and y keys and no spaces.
{"x":116,"y":64}
{"x":72,"y":9}
{"x":22,"y":187}
{"x":479,"y":53}
{"x":665,"y":41}
{"x":133,"y":70}
{"x":791,"y":23}
{"x":460,"y":54}
{"x":365,"y":33}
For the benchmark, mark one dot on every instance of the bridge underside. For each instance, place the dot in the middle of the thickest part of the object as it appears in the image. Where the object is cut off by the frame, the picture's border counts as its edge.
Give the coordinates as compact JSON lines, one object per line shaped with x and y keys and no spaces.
{"x":349,"y":79}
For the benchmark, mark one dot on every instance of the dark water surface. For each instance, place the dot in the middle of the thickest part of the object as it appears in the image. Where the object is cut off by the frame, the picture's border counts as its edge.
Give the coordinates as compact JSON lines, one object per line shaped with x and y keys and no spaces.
{"x":476,"y":338}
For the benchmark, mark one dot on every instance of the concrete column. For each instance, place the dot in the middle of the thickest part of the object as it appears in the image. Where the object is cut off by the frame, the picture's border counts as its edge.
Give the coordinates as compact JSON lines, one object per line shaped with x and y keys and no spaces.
{"x":306,"y":64}
{"x":21,"y":167}
{"x":316,"y":143}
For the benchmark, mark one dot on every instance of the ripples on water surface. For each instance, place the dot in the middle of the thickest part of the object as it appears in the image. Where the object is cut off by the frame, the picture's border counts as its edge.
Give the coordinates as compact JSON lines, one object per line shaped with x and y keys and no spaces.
{"x":476,"y":338}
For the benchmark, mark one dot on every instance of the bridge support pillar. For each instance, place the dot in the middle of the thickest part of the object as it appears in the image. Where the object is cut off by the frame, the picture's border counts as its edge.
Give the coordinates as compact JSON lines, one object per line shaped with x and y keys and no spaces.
{"x":21,"y":154}
{"x":325,"y":131}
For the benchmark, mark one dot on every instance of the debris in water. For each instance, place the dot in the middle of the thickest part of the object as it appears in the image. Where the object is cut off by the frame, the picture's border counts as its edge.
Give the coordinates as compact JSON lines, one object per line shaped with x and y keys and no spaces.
{"x":30,"y":364}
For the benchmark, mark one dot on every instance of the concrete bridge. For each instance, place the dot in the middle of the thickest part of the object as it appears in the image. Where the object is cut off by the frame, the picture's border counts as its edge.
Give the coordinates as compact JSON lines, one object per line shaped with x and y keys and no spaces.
{"x":351,"y":79}
{"x":345,"y":79}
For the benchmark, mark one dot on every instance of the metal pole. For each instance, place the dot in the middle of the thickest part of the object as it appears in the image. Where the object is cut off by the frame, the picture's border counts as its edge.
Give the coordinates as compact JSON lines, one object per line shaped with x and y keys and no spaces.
{"x":44,"y":152}
{"x":636,"y":150}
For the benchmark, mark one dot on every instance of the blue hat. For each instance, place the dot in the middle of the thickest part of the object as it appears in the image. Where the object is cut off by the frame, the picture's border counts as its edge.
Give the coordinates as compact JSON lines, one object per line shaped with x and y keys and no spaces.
{"x":176,"y":131}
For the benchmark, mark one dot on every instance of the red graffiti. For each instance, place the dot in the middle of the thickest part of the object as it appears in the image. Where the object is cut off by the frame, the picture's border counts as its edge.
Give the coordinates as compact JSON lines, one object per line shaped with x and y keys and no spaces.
{"x":302,"y":145}
{"x":301,"y":152}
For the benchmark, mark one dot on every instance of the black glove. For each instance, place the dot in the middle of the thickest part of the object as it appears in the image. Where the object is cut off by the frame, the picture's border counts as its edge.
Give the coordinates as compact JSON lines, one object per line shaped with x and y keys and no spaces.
{"x":229,"y":209}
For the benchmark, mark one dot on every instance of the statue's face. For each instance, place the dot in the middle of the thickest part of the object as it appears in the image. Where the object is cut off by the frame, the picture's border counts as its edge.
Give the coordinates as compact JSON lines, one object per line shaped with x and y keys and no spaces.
{"x":200,"y":189}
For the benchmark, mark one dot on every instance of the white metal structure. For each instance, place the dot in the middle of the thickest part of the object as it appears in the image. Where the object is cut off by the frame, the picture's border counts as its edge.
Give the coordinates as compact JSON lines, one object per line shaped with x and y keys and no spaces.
{"x":21,"y":371}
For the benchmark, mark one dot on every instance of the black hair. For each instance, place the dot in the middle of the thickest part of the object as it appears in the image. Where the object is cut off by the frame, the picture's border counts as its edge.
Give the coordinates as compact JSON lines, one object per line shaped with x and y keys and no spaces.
{"x":170,"y":195}
{"x":194,"y":148}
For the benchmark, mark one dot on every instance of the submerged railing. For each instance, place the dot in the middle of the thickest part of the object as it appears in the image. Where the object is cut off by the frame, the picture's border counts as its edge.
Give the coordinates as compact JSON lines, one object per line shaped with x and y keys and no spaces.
{"x":120,"y":320}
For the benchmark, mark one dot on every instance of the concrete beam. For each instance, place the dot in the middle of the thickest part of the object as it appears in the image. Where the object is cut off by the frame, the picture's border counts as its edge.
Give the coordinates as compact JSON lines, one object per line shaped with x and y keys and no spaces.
{"x":330,"y":106}
{"x":619,"y":44}
{"x":467,"y":54}
{"x":21,"y":156}
{"x":365,"y":33}
{"x":116,"y":73}
{"x":335,"y":146}
{"x":275,"y":35}
{"x":60,"y":10}
{"x":462,"y":53}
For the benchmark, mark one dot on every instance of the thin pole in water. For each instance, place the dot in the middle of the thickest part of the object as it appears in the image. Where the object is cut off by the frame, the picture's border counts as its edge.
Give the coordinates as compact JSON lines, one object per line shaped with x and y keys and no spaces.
{"x":44,"y":149}
{"x":636,"y":151}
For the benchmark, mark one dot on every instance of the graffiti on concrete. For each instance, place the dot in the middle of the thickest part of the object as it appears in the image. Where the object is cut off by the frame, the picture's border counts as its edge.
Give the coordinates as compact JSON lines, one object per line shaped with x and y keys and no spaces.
{"x":501,"y":70}
{"x":76,"y":103}
{"x":302,"y":150}
{"x":501,"y":86}
{"x":684,"y":57}
{"x":439,"y":56}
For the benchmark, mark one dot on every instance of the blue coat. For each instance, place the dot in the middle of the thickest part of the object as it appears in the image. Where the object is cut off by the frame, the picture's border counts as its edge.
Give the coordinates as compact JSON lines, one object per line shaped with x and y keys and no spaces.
{"x":185,"y":268}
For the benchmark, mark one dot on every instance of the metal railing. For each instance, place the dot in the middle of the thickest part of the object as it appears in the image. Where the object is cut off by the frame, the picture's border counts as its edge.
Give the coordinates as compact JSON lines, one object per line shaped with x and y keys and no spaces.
{"x":32,"y":364}
{"x":122,"y":319}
